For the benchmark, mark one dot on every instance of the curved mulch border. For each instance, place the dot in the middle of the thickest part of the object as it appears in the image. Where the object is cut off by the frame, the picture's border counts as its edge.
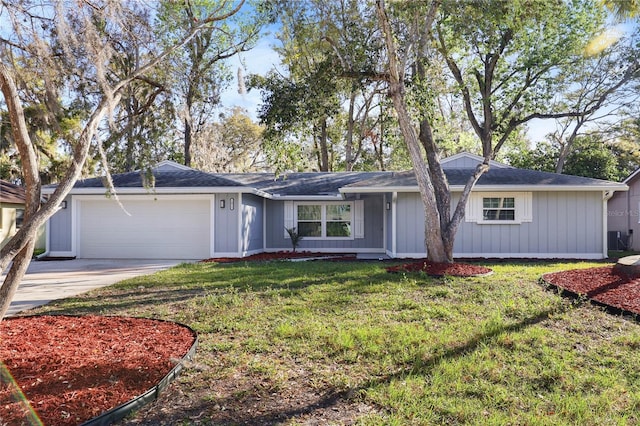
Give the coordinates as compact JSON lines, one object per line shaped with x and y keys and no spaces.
{"x":80,"y":356}
{"x":443,"y":269}
{"x":123,"y":410}
{"x":615,"y":291}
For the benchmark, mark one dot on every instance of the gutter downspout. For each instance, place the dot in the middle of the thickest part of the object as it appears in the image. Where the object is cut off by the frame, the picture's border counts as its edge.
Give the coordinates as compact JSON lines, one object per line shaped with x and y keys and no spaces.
{"x":629,"y":237}
{"x":606,"y":196}
{"x":264,"y":225}
{"x":241,"y":237}
{"x":394,"y":225}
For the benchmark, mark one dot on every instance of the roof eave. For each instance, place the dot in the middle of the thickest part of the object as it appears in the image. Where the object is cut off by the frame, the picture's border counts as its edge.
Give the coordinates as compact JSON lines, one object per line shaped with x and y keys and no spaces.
{"x":632,"y":176}
{"x":494,"y":188}
{"x":162,"y":190}
{"x":307,"y":197}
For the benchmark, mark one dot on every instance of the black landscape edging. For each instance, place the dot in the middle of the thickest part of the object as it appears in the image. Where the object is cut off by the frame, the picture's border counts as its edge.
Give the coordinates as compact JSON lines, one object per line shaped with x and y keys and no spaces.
{"x":610,"y":309}
{"x":123,"y":410}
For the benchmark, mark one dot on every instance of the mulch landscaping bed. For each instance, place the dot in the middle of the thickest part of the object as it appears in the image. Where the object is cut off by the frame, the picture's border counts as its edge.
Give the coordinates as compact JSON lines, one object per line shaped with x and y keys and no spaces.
{"x":72,"y":369}
{"x":605,"y":285}
{"x":442,"y":269}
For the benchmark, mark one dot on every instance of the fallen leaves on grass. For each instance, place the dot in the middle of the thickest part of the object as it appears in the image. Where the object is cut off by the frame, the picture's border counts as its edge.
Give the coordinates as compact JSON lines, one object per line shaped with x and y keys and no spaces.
{"x":72,"y":369}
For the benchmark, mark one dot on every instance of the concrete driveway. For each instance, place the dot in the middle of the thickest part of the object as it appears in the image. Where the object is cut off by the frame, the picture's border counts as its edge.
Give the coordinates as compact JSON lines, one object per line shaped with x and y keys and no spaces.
{"x":56,"y":279}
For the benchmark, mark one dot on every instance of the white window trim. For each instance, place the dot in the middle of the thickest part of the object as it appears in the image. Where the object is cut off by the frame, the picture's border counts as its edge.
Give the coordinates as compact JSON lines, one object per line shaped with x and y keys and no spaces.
{"x":523,"y":208}
{"x":357,"y":218}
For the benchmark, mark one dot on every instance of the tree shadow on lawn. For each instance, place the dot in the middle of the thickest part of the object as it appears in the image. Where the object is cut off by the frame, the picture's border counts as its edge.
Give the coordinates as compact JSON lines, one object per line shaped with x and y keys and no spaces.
{"x":139,"y":294}
{"x":273,"y":408}
{"x":309,"y":403}
{"x":112,"y":302}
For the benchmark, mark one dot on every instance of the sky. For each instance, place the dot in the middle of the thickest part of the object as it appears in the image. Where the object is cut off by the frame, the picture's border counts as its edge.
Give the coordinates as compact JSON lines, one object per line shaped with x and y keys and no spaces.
{"x":259,"y":60}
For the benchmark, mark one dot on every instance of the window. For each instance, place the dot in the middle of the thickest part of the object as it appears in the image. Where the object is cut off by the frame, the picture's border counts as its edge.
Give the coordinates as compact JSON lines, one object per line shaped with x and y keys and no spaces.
{"x":494,"y":208}
{"x":499,"y":208}
{"x":309,"y":220}
{"x":338,"y":220}
{"x":19,"y":218}
{"x":325,"y":220}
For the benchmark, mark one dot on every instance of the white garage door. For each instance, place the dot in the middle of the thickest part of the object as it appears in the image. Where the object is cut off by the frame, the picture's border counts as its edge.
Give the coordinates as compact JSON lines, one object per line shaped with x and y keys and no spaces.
{"x":161,"y":229}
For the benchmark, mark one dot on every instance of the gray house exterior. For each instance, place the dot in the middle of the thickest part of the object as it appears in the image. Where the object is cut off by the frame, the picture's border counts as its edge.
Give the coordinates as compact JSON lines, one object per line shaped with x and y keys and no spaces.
{"x":189,"y":214}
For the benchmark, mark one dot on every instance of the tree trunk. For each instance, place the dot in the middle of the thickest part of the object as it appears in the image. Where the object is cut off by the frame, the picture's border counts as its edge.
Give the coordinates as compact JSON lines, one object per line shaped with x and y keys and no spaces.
{"x":565,"y":149}
{"x":29,"y":162}
{"x":324,"y":150}
{"x":440,"y":185}
{"x":187,"y":142}
{"x":350,"y":125}
{"x":562,"y":158}
{"x":436,"y":248}
{"x":20,"y":247}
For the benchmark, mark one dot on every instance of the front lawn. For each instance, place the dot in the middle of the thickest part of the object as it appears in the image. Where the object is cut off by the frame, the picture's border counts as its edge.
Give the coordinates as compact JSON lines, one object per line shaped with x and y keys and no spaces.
{"x":344,"y":342}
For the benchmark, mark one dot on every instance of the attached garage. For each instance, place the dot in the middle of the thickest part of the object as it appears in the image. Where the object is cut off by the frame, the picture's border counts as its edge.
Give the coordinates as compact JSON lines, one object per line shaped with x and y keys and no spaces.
{"x":149,"y":229}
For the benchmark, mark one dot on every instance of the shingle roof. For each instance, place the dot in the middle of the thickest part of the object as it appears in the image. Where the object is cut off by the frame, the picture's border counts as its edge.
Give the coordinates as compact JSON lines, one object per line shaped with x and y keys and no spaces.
{"x":163,"y":179}
{"x":332,"y":184}
{"x":299,"y":184}
{"x":494,"y":177}
{"x":11,"y":194}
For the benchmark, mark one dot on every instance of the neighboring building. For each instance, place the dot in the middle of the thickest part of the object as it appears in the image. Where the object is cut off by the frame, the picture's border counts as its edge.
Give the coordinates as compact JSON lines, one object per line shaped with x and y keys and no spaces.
{"x":12,"y":198}
{"x":624,"y":216}
{"x":189,"y":214}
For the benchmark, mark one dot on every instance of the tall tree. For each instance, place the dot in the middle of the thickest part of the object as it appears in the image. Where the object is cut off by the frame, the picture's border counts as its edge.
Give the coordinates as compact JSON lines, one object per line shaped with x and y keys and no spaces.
{"x":141,"y":129}
{"x":505,"y":58}
{"x":76,"y":49}
{"x":199,"y":72}
{"x":232,"y":145}
{"x":603,"y":87}
{"x":623,"y":9}
{"x":330,"y":51}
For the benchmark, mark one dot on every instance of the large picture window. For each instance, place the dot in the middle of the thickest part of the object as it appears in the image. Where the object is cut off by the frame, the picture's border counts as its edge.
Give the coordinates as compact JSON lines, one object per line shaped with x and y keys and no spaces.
{"x":324,"y":220}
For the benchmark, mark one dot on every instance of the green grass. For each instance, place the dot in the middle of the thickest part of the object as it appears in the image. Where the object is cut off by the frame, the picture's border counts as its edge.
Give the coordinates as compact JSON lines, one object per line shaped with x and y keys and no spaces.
{"x":483,"y":351}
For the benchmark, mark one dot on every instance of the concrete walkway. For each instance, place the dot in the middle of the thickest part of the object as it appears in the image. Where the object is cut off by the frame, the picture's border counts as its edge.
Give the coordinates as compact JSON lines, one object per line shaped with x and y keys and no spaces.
{"x":56,"y":279}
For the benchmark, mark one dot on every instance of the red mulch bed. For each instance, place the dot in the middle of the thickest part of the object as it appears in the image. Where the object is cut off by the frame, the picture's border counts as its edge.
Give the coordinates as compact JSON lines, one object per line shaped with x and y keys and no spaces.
{"x":73,"y":369}
{"x":604,"y":285}
{"x":442,"y":269}
{"x":282,"y":255}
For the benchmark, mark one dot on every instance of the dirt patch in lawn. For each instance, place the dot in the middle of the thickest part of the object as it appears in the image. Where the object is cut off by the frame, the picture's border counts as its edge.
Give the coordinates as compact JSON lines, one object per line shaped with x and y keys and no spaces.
{"x":443,"y":269}
{"x":605,"y":285}
{"x":69,"y":370}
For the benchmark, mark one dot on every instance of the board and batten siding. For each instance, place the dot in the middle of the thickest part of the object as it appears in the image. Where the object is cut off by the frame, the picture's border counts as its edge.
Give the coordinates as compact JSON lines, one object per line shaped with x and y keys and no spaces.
{"x":409,"y":225}
{"x":373,"y":241}
{"x":226,"y":225}
{"x":60,"y":234}
{"x":564,"y":224}
{"x":388,"y":198}
{"x":252,"y":223}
